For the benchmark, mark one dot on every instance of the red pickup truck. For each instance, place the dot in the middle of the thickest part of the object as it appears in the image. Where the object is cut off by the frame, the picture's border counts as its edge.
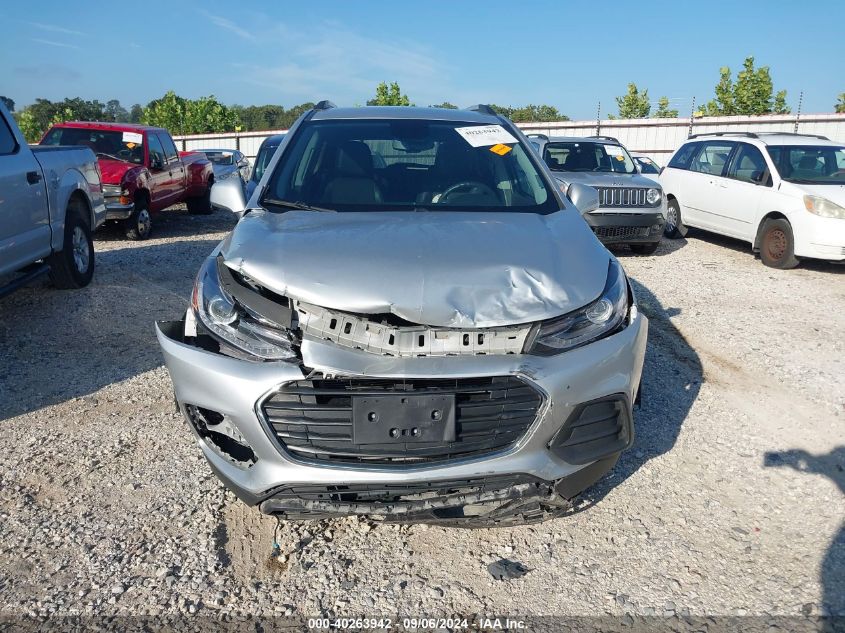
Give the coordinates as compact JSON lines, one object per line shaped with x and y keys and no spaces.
{"x":141,"y":170}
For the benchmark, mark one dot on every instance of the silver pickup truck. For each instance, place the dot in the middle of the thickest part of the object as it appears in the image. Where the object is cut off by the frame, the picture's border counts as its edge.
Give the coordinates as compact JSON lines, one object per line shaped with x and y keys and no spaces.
{"x":51,"y":200}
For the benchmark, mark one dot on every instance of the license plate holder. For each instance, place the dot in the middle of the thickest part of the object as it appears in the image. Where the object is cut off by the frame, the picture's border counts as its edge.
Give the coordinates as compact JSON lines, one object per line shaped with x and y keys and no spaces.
{"x":403,"y":419}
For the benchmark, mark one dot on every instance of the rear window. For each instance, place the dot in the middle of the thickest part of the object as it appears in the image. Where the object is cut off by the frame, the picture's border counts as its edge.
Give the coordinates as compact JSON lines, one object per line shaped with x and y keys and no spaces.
{"x":588,"y":156}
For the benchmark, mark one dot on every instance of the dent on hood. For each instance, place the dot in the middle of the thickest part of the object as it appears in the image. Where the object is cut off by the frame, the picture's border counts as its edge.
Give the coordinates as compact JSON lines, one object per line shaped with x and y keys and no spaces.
{"x":431,"y":268}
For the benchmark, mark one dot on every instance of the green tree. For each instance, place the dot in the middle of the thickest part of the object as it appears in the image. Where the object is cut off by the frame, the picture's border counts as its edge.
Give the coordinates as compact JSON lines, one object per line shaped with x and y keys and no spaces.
{"x":116,"y":112}
{"x":445,"y":105}
{"x":840,"y":105}
{"x":206,"y":114}
{"x":751,"y":94}
{"x":389,"y":96}
{"x":634,"y":104}
{"x":9,"y":103}
{"x":169,"y":112}
{"x":530,"y":113}
{"x":663,"y":111}
{"x":135,"y":113}
{"x":31,"y":129}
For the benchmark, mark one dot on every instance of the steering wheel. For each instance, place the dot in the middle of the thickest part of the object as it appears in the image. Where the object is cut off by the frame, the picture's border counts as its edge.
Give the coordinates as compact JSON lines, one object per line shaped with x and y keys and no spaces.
{"x":470,"y":186}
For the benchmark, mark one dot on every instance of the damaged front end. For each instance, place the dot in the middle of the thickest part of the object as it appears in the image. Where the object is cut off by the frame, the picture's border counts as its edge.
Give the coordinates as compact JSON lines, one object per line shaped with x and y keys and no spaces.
{"x":311,"y":412}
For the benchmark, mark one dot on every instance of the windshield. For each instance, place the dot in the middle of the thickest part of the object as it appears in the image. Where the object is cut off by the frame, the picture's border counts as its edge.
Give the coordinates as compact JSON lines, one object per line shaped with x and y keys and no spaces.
{"x":265,"y":153}
{"x":810,"y":164}
{"x":220,"y":158}
{"x":398,"y":165}
{"x":588,"y":156}
{"x":647,"y":166}
{"x":128,"y":146}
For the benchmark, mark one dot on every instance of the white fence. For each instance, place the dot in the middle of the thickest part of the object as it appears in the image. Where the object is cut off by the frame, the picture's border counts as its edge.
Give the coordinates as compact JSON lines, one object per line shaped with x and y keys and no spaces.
{"x":656,"y":138}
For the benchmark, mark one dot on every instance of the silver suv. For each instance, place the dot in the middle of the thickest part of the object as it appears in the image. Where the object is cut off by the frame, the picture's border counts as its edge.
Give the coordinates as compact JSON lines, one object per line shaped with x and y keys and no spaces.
{"x":409,"y":321}
{"x":632,"y":209}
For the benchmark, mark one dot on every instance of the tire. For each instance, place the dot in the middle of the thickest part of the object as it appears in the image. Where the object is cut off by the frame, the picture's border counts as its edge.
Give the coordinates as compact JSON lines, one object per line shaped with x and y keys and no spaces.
{"x":644,"y":249}
{"x":777,"y":244}
{"x":139,"y":225}
{"x":201,"y":205}
{"x":73,"y":266}
{"x":674,"y":226}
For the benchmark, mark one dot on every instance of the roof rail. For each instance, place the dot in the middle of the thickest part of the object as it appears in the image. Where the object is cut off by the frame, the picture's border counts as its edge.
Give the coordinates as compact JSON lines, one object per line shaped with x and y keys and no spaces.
{"x":818,"y":136}
{"x":745,"y":134}
{"x":545,"y":137}
{"x":483,"y":108}
{"x":325,"y":104}
{"x":605,"y":138}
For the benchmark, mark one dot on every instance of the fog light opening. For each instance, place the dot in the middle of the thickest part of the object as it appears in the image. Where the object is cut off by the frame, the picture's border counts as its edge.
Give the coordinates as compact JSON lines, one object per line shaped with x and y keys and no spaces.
{"x":221,"y":435}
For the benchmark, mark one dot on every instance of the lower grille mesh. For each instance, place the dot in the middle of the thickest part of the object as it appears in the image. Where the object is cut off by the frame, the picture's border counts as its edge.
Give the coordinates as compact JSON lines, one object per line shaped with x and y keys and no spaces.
{"x":312,"y":419}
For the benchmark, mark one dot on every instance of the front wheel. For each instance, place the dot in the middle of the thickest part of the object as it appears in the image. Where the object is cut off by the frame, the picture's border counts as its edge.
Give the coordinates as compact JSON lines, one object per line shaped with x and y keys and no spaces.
{"x":673,"y":228}
{"x":777,"y":244}
{"x":139,"y":225}
{"x":73,"y":266}
{"x":645,"y":249}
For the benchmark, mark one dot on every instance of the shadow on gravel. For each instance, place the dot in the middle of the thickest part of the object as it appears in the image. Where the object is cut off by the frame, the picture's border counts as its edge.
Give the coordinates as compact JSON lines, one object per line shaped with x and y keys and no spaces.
{"x":672,"y":377}
{"x":831,"y":465}
{"x":56,"y":345}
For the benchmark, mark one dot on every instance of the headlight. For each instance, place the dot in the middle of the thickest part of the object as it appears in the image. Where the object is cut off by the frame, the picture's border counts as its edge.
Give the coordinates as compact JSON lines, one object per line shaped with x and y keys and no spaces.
{"x":235,"y":325}
{"x":594,"y":321}
{"x":823,"y":207}
{"x":652,"y":196}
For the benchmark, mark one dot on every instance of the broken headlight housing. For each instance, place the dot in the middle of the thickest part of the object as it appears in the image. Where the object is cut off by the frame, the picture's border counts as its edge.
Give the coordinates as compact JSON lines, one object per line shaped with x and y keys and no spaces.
{"x":602,"y":317}
{"x":234,"y":324}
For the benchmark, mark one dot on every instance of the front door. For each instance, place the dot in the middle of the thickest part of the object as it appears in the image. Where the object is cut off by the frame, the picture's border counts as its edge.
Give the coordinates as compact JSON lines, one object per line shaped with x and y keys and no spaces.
{"x":24,"y":216}
{"x":159,"y":174}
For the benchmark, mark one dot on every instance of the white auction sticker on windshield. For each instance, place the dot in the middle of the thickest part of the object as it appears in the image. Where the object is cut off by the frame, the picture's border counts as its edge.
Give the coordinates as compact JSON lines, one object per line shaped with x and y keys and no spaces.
{"x":613,"y":150}
{"x":133,"y":137}
{"x":485,"y":135}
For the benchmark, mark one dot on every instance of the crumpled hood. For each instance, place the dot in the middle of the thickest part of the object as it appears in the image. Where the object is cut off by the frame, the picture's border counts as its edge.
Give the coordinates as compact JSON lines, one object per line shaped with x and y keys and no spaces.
{"x":113,"y":171}
{"x":443,"y":269}
{"x":605,"y":179}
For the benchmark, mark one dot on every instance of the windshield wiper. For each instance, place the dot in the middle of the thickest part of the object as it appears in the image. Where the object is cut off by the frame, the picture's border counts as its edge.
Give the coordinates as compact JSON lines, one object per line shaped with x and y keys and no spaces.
{"x":112,"y":156}
{"x":289,"y":204}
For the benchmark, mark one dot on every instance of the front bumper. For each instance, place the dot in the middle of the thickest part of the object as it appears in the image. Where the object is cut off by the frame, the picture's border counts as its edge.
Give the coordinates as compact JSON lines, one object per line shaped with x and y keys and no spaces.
{"x":234,"y":388}
{"x":819,"y":238}
{"x":115,"y":210}
{"x":628,"y":227}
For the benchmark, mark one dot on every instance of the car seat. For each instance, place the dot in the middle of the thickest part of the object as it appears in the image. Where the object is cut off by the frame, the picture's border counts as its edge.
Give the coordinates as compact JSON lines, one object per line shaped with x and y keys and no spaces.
{"x":353,"y":179}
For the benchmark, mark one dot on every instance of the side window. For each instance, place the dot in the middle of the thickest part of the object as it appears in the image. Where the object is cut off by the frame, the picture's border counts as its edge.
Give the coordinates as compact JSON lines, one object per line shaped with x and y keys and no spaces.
{"x":155,"y":148}
{"x":169,"y":148}
{"x":748,"y":165}
{"x":711,"y":158}
{"x":8,"y":144}
{"x":681,"y":159}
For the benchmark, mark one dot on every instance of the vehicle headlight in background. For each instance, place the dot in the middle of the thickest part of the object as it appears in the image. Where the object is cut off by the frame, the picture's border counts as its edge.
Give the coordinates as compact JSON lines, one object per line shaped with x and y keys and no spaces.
{"x":652,"y":196}
{"x":823,"y":207}
{"x":235,"y":325}
{"x":600,"y":318}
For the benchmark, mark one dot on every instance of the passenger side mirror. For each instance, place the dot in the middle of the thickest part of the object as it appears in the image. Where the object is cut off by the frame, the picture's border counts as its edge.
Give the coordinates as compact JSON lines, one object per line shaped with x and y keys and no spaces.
{"x":584,"y":197}
{"x":228,"y":194}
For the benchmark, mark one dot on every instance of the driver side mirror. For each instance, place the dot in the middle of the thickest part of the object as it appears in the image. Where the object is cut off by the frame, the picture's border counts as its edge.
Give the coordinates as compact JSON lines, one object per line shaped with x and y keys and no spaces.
{"x":156,"y":162}
{"x":229,"y":194}
{"x":584,"y":197}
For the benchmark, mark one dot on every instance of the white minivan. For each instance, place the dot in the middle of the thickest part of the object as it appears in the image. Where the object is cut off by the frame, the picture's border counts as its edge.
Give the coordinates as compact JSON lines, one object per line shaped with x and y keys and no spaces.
{"x":783,"y":193}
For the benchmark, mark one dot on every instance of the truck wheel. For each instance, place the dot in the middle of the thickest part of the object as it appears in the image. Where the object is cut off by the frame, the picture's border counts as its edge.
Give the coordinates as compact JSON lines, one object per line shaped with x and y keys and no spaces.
{"x":777,"y":244}
{"x":139,"y":225}
{"x":73,"y":266}
{"x":201,"y":205}
{"x":674,"y":227}
{"x":645,"y":249}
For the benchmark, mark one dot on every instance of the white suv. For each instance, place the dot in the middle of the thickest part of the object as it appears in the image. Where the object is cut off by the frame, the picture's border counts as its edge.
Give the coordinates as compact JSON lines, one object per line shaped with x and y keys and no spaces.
{"x":783,"y":193}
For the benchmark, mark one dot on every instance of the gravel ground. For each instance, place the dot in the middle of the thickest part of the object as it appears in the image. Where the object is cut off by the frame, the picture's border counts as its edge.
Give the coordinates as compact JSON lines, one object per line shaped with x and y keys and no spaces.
{"x":731,"y":501}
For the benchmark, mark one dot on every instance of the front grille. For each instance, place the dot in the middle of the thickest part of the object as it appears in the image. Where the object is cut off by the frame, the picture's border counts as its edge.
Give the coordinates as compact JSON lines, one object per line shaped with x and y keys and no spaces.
{"x":623,"y":197}
{"x":621,"y":232}
{"x":312,"y":419}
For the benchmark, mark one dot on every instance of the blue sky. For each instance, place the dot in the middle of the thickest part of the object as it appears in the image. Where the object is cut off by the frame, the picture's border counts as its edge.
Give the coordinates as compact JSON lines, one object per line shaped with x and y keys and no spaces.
{"x":565,"y":53}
